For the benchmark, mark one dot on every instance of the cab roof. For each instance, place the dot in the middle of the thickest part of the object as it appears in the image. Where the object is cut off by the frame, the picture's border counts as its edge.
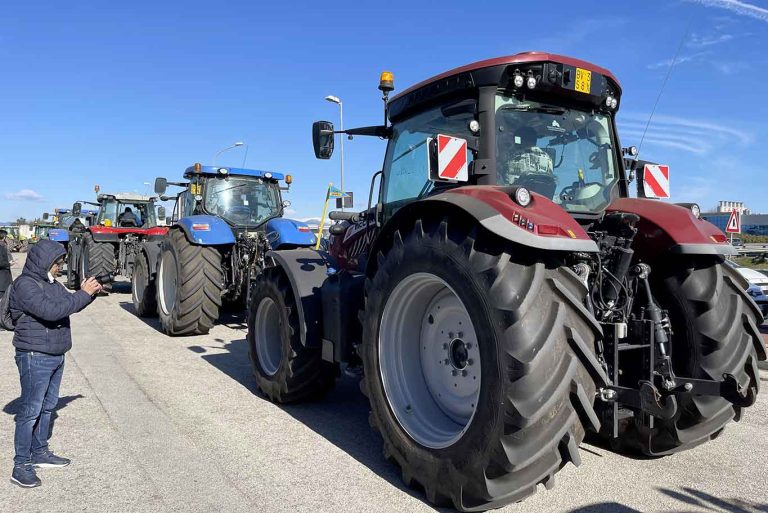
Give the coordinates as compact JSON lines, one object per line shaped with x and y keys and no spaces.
{"x":127,"y":197}
{"x":518,"y":58}
{"x":490,"y":72}
{"x":233,"y":171}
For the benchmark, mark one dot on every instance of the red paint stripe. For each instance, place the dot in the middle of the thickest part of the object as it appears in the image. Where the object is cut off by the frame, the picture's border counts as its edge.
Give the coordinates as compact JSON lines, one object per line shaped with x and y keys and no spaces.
{"x":456,"y":163}
{"x":442,"y":142}
{"x":651,"y":182}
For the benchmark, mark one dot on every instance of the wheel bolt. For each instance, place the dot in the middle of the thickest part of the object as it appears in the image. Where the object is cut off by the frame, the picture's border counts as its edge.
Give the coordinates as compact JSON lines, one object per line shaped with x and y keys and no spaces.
{"x":450,"y":334}
{"x":445,"y":346}
{"x":454,"y":373}
{"x":463,"y":373}
{"x":446,"y":361}
{"x":470,"y":361}
{"x":468,"y":345}
{"x":461,"y":334}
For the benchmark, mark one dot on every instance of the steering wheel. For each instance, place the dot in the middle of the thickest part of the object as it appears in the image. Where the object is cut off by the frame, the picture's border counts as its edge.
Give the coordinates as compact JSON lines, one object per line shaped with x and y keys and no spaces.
{"x":568,"y":193}
{"x":543,"y":183}
{"x":239,"y":210}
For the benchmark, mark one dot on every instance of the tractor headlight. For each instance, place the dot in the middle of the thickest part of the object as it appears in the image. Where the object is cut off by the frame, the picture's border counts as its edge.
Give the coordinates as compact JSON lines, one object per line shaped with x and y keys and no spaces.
{"x":223,"y":171}
{"x":518,"y":80}
{"x":608,"y":101}
{"x":522,"y":196}
{"x":531,"y":82}
{"x":267,"y":175}
{"x":614,"y":103}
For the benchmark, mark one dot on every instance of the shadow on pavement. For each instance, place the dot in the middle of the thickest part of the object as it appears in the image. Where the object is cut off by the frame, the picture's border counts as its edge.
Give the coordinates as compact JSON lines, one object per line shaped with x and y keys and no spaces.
{"x":228,"y":319}
{"x":12,"y":408}
{"x":709,"y":502}
{"x":341,"y":417}
{"x":605,"y":507}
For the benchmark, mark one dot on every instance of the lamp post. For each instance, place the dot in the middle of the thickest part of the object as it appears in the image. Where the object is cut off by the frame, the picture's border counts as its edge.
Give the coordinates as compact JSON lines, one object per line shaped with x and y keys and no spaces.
{"x":237,"y":144}
{"x":337,"y":101}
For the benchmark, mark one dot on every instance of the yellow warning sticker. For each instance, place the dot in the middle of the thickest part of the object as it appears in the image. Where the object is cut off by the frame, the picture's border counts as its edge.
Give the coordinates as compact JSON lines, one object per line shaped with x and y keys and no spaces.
{"x":583,"y":80}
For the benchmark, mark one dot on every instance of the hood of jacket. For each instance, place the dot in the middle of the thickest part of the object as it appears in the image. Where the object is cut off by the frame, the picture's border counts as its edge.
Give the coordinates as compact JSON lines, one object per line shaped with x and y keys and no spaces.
{"x":41,"y":257}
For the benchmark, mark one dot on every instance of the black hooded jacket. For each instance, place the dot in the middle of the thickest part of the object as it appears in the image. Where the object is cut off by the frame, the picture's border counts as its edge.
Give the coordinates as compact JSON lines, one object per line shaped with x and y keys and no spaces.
{"x":43,"y":308}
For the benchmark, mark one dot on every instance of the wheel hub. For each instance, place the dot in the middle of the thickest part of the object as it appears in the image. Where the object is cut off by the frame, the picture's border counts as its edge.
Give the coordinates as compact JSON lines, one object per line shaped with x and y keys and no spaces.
{"x":429,"y":360}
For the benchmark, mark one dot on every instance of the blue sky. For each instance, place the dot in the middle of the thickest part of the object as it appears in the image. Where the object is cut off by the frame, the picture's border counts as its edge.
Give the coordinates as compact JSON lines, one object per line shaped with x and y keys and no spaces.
{"x":117,"y":93}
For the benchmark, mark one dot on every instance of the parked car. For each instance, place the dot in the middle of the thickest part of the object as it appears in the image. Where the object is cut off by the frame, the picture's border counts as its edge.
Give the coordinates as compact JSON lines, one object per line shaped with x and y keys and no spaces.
{"x":760,"y":297}
{"x":751,"y":275}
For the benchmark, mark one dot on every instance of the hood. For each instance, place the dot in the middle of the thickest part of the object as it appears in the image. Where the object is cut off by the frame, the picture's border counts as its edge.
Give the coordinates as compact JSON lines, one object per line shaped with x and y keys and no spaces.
{"x":41,"y":257}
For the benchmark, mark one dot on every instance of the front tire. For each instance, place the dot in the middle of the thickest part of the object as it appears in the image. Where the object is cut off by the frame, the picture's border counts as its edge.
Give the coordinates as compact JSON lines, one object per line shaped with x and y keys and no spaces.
{"x":285,"y":370}
{"x":190,"y":282}
{"x":522,"y":334}
{"x":143,"y":288}
{"x":714,"y":332}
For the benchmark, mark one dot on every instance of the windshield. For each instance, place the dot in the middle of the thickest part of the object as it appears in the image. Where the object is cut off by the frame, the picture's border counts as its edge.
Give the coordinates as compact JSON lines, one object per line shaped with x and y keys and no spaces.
{"x":242,"y":201}
{"x":67,"y":220}
{"x":127,"y":214}
{"x":564,"y":154}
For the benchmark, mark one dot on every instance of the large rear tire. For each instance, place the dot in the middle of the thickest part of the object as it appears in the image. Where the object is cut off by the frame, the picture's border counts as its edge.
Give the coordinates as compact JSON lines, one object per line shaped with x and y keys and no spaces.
{"x":285,"y":370}
{"x":143,"y":288}
{"x":714,"y":332}
{"x":475,"y":353}
{"x":189,"y":286}
{"x":97,"y":259}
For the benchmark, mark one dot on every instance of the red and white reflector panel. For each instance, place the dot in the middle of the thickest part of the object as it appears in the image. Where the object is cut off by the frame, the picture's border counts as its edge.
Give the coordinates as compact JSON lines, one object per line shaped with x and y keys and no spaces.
{"x":452,"y":161}
{"x":734,"y":222}
{"x":656,"y":181}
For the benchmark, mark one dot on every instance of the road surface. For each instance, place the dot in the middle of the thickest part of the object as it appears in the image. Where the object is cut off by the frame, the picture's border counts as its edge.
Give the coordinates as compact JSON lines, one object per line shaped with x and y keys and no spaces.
{"x":159,"y":424}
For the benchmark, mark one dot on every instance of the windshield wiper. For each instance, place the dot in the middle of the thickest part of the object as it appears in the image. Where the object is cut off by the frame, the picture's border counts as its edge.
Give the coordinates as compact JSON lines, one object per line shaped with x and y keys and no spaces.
{"x":547,"y":109}
{"x":230,"y":188}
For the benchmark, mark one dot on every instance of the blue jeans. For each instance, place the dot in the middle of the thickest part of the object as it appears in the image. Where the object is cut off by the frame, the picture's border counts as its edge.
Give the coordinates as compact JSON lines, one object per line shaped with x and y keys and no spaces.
{"x":40,"y":376}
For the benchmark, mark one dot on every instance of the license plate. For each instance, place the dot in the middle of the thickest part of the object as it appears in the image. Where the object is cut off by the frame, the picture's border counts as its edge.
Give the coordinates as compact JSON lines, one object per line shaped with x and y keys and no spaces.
{"x":583,"y":80}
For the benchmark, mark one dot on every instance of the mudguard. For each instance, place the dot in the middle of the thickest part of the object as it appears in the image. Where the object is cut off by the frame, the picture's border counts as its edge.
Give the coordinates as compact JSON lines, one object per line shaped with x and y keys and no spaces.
{"x":206,"y":230}
{"x":541,"y":225}
{"x":151,"y":251}
{"x":306,"y":270}
{"x":666,"y":228}
{"x":58,"y":234}
{"x":112,"y":234}
{"x":282,"y":232}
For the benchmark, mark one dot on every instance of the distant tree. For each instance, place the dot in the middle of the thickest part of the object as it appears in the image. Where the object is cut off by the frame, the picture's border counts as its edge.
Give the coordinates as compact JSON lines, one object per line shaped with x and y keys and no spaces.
{"x":21,"y":220}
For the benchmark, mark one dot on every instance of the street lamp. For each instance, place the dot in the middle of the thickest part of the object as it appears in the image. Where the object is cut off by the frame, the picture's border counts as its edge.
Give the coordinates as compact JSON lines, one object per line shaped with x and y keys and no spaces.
{"x":337,"y":101}
{"x":238,"y":143}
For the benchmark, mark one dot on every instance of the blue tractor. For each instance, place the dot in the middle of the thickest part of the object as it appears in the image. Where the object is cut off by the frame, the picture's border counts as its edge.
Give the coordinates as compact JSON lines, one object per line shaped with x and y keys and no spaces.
{"x":224,"y":222}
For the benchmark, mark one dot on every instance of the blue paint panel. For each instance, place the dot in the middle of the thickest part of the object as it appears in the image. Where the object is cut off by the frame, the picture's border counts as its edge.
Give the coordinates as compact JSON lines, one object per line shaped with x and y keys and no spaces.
{"x":287,"y":232}
{"x":233,"y":171}
{"x":217,"y":232}
{"x":58,"y":234}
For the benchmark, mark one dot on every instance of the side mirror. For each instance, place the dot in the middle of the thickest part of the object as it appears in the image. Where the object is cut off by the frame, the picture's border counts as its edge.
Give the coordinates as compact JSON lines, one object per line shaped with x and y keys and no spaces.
{"x":322,"y":139}
{"x":161,"y":185}
{"x":45,"y":216}
{"x":161,"y":213}
{"x":286,"y":203}
{"x":77,"y":209}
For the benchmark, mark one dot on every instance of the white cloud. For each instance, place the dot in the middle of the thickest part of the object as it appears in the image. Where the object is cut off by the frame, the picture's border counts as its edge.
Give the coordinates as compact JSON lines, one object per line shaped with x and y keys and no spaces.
{"x":680,"y":60}
{"x":692,"y":135}
{"x":289,"y":211}
{"x":24,"y":195}
{"x":699,"y":41}
{"x":737,"y":7}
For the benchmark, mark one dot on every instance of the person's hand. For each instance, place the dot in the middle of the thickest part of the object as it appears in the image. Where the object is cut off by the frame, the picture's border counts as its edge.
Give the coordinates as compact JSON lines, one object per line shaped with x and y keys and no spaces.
{"x":91,"y":286}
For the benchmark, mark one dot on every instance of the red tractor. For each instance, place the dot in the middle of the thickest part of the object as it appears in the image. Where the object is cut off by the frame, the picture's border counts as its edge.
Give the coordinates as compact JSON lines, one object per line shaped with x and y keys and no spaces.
{"x":505,"y":295}
{"x":110,"y":245}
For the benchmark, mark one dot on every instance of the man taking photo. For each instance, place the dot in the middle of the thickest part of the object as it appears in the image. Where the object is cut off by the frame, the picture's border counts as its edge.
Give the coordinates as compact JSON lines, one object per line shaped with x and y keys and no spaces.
{"x":40,"y":308}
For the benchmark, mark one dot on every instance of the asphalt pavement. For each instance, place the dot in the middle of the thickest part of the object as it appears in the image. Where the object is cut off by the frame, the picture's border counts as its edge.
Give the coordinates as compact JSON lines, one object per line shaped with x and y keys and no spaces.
{"x":160,"y":424}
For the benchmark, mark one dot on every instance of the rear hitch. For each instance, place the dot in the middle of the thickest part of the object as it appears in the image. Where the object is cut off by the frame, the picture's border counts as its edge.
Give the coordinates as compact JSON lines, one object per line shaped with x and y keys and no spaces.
{"x":729,"y":389}
{"x":647,"y":399}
